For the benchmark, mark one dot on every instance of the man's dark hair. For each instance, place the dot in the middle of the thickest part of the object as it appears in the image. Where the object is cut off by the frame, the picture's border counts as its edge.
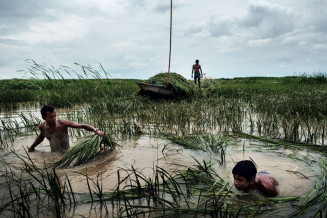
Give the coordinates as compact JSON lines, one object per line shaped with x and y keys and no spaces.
{"x":45,"y":109}
{"x":245,"y":168}
{"x":196,"y":61}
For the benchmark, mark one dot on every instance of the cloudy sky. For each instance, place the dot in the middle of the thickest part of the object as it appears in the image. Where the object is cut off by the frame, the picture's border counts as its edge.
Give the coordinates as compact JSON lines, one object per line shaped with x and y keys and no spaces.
{"x":130,"y":38}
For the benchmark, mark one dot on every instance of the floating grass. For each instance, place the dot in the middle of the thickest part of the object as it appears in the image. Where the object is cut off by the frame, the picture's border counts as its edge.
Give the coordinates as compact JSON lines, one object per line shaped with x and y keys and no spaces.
{"x":35,"y":191}
{"x":206,"y":142}
{"x":281,"y":142}
{"x":315,"y":202}
{"x":196,"y":191}
{"x":86,"y":150}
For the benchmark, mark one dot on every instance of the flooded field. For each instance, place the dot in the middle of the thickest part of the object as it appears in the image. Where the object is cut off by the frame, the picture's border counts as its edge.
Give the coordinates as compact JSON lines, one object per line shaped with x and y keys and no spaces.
{"x":175,"y":156}
{"x":144,"y":153}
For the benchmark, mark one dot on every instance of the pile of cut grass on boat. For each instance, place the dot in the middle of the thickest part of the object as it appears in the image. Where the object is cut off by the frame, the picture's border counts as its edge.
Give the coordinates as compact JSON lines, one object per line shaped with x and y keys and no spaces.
{"x":211,"y":86}
{"x":86,"y":150}
{"x":178,"y":84}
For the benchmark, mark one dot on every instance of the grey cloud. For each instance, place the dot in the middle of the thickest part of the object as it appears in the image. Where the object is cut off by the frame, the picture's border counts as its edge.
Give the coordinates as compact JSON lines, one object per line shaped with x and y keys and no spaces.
{"x":320,"y":23}
{"x":11,"y":42}
{"x":268,"y":20}
{"x":165,"y":8}
{"x":162,"y":8}
{"x":220,"y":26}
{"x":285,"y":62}
{"x":16,"y":14}
{"x":138,"y":2}
{"x":20,"y":9}
{"x":193,"y":30}
{"x":260,"y":22}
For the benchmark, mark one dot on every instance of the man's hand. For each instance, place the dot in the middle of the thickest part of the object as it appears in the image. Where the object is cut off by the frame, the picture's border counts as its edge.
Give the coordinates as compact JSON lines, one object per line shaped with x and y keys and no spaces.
{"x":31,"y":149}
{"x":99,"y":132}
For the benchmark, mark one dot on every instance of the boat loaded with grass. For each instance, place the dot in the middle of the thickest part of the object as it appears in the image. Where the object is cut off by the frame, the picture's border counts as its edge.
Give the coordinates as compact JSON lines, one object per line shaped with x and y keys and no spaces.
{"x":177,"y":87}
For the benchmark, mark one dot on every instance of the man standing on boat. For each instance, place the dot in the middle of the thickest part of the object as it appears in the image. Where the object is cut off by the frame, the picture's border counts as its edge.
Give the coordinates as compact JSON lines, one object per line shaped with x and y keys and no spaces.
{"x":56,"y":131}
{"x":196,"y":68}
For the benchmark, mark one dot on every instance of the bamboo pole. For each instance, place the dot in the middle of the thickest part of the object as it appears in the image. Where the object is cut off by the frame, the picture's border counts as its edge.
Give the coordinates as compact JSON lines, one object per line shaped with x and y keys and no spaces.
{"x":171,"y":17}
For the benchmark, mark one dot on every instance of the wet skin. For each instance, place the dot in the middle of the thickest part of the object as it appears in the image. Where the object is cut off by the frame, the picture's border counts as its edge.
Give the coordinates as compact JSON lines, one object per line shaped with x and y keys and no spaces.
{"x":263,"y":183}
{"x":242,"y":184}
{"x":50,"y":124}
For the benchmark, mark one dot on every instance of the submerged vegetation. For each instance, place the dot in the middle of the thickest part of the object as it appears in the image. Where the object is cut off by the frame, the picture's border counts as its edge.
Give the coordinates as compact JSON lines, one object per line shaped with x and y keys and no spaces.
{"x":197,"y":191}
{"x":289,"y":111}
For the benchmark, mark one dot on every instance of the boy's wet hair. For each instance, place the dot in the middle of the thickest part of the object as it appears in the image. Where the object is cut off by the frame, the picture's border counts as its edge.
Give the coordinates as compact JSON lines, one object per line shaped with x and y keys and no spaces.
{"x":245,"y":168}
{"x":45,"y":109}
{"x":196,"y":61}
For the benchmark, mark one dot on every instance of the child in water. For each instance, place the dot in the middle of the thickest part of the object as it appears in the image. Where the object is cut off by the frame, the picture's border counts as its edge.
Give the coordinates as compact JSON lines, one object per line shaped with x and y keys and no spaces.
{"x":246,"y":178}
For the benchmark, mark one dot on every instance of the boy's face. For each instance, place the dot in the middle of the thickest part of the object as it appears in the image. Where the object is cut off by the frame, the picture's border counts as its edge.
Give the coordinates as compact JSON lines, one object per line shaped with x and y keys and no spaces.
{"x":50,"y":118}
{"x":241,"y":183}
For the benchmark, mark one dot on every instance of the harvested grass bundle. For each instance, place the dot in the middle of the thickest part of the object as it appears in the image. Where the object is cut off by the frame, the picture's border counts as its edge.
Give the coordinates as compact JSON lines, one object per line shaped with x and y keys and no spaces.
{"x":206,"y":142}
{"x":178,"y":84}
{"x":86,"y":150}
{"x":211,"y":86}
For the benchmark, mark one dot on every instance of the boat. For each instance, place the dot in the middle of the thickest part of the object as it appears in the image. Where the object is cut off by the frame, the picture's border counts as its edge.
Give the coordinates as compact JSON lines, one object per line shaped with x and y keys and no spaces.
{"x":154,"y":89}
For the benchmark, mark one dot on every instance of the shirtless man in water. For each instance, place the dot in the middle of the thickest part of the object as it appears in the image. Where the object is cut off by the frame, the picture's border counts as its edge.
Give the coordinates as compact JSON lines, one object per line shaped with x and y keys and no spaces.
{"x":246,"y":178}
{"x":56,"y":131}
{"x":196,"y":68}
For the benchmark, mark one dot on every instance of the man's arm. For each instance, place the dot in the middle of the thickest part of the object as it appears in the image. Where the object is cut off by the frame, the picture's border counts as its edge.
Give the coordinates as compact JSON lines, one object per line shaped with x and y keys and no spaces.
{"x":37,"y":141}
{"x":87,"y":127}
{"x":268,"y":185}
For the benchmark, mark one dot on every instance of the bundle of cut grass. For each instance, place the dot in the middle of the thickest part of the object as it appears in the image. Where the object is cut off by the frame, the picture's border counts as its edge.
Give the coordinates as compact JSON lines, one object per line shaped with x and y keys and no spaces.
{"x":86,"y":150}
{"x":211,"y":86}
{"x":207,"y":142}
{"x":178,"y":84}
{"x":204,"y":142}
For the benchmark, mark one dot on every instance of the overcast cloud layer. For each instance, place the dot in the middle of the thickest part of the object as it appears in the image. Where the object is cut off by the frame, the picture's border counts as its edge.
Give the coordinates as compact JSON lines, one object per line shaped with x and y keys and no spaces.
{"x":130,"y":38}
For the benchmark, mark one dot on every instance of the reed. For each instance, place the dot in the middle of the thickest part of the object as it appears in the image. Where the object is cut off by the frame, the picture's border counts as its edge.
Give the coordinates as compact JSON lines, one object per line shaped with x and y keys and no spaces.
{"x":196,"y":191}
{"x":86,"y":150}
{"x":206,"y":142}
{"x":35,"y":191}
{"x":315,"y":203}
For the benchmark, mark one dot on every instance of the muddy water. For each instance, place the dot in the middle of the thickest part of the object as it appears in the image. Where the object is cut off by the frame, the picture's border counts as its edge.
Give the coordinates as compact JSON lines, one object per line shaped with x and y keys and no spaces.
{"x":144,"y":153}
{"x":295,"y":177}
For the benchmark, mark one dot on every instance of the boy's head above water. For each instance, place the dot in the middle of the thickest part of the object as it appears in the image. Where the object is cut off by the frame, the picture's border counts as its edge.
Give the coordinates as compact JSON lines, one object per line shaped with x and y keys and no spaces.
{"x":244,"y":174}
{"x":246,"y":178}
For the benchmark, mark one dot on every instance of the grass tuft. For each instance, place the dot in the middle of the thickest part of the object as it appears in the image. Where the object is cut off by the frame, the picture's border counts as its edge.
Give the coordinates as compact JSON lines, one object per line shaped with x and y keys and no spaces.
{"x":85,"y":151}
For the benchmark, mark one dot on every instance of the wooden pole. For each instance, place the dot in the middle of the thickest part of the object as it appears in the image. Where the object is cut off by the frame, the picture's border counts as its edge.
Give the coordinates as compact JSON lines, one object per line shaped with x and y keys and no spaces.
{"x":171,"y":18}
